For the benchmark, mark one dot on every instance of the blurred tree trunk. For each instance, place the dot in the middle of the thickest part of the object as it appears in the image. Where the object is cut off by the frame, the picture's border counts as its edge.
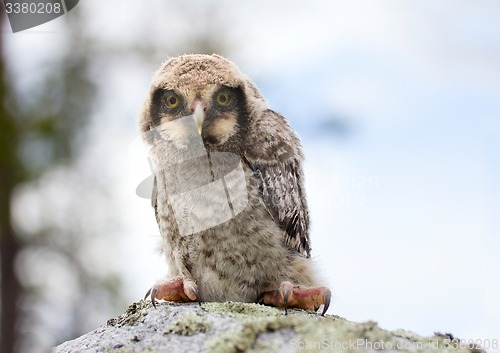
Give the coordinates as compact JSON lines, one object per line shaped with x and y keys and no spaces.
{"x":38,"y":140}
{"x":9,"y":249}
{"x":9,"y":245}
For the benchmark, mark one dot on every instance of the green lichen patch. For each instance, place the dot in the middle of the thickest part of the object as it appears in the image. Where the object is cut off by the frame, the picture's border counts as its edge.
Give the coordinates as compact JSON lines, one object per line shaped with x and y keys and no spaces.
{"x":331,"y":335}
{"x":246,"y":338}
{"x":189,"y":324}
{"x":134,"y":314}
{"x":228,"y":342}
{"x":239,"y":310}
{"x":257,"y":319}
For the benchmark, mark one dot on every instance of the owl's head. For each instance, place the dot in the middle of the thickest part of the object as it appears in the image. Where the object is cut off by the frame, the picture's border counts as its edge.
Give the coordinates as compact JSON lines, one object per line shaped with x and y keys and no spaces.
{"x":210,"y":89}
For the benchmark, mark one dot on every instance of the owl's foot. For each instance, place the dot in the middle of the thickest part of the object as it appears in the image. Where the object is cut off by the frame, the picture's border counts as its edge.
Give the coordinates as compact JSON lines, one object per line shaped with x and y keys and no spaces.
{"x":175,"y":290}
{"x":292,"y":296}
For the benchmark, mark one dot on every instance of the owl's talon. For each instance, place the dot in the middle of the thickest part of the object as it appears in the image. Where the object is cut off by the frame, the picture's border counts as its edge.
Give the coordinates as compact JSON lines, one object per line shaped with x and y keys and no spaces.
{"x":154,"y":290}
{"x":197,"y":295}
{"x":326,"y":301}
{"x":151,"y":293}
{"x":293,"y":296}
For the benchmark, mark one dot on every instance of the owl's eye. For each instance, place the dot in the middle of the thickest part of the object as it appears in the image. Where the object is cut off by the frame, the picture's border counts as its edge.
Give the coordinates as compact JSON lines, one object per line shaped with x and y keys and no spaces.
{"x":223,"y":98}
{"x":172,"y":101}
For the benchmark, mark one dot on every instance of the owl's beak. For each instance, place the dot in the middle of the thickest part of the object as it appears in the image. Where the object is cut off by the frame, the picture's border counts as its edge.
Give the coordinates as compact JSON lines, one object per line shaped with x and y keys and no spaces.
{"x":199,"y":116}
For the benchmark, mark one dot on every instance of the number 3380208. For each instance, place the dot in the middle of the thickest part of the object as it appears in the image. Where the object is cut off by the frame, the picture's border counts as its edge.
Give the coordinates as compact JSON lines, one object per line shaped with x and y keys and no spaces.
{"x":40,"y":7}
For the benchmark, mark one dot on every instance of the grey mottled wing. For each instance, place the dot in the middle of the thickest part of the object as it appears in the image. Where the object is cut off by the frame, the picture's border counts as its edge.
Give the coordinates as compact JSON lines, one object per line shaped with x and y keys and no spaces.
{"x":275,"y":156}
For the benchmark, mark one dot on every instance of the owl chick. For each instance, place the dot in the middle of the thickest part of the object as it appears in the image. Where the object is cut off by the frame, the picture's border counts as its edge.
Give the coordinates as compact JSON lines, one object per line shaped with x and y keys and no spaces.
{"x":228,"y":191}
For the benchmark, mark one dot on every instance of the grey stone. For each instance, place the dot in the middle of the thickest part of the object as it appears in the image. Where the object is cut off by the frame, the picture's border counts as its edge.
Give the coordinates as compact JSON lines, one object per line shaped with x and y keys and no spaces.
{"x":246,"y":327}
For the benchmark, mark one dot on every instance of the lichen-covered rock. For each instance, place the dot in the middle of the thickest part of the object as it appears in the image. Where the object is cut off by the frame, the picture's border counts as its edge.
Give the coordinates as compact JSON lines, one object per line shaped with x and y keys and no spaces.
{"x":244,"y":327}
